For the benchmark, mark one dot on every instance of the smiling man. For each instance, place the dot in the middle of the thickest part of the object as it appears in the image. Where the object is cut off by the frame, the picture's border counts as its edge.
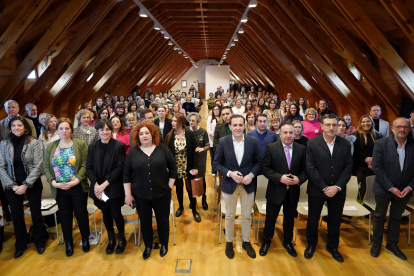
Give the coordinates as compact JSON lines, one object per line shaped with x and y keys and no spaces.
{"x":237,"y":159}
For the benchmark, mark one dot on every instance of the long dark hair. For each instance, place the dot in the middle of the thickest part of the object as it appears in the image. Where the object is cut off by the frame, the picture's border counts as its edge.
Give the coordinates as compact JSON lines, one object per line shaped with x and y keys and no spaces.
{"x":213,"y":117}
{"x":289,"y":115}
{"x":27,"y":129}
{"x":180,"y":120}
{"x":122,"y":128}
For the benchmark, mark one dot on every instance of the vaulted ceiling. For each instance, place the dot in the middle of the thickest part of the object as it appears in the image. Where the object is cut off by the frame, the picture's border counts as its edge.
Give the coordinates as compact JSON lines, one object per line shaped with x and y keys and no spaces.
{"x":354,"y":53}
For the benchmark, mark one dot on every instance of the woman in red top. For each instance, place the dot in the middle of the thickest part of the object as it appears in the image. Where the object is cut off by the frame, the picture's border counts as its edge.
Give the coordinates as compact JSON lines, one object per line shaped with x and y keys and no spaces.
{"x":119,"y":133}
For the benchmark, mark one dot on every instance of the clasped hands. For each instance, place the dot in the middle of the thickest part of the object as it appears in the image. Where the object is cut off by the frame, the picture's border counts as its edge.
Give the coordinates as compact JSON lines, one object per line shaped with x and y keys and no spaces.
{"x":98,"y":189}
{"x":400,"y":194}
{"x":289,"y":179}
{"x":20,"y":190}
{"x":330,"y":191}
{"x":368,"y":160}
{"x":239,"y":178}
{"x":63,"y":186}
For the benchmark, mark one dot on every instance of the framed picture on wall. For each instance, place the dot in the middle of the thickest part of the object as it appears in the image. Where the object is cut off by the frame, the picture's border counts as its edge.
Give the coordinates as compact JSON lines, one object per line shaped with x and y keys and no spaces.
{"x":184,"y":84}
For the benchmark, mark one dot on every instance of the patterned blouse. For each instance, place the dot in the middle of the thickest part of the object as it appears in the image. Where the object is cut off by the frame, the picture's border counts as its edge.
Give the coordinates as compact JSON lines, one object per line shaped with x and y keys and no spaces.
{"x":180,"y":148}
{"x":64,"y":162}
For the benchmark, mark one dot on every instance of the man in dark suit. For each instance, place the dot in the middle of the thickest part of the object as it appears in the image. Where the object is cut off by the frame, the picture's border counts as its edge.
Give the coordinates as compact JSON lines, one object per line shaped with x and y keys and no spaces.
{"x":237,"y":159}
{"x":329,"y":168}
{"x":393,"y":163}
{"x":284,"y":164}
{"x":218,"y":92}
{"x":411,"y":134}
{"x":163,"y":123}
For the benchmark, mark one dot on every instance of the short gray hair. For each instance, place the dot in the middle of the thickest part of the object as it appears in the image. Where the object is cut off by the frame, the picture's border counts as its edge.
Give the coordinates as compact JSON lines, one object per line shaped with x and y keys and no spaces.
{"x":27,"y":106}
{"x":194,"y":114}
{"x":10,"y":101}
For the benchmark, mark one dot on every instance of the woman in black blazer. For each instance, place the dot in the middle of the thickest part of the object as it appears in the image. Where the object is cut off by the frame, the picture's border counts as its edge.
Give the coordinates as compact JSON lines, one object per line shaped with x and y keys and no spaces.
{"x":182,"y":143}
{"x":104,"y":168}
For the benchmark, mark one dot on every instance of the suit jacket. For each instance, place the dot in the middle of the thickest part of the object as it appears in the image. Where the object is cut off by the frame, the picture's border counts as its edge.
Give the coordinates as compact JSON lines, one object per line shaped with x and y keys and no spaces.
{"x":167,"y":126}
{"x":219,"y":132}
{"x":386,"y":166}
{"x":384,"y":128}
{"x":325,"y":170}
{"x":218,"y":93}
{"x":274,"y":166}
{"x":111,"y":168}
{"x":225,"y":161}
{"x":4,"y":128}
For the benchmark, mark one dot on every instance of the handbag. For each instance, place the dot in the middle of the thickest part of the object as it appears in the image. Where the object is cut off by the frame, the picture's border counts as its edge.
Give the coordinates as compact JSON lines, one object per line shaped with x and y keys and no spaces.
{"x":197,"y":187}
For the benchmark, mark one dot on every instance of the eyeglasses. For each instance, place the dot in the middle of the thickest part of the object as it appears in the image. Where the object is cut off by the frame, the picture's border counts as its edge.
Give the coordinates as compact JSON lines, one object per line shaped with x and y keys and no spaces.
{"x":330,"y":125}
{"x":401,"y":127}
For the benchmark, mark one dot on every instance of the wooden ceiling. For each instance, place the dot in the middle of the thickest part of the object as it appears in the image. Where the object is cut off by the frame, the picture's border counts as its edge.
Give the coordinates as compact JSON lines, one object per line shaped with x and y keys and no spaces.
{"x":353,"y":52}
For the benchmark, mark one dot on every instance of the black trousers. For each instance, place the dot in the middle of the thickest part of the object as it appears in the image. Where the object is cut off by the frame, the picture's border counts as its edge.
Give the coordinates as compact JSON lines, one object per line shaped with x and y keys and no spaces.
{"x":179,"y":190}
{"x":5,"y":204}
{"x":396,"y":209}
{"x":272,"y":212}
{"x":212,"y":159}
{"x":112,"y":213}
{"x":335,"y":209}
{"x":34,"y":195}
{"x":361,"y":175}
{"x":73,"y":204}
{"x":161,"y":207}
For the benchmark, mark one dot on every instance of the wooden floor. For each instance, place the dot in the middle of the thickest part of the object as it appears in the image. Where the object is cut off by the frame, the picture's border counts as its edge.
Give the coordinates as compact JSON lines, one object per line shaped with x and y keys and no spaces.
{"x":199,"y":242}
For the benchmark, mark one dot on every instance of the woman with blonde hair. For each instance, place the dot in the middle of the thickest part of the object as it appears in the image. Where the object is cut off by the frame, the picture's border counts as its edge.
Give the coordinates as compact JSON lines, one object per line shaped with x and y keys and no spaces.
{"x":311,"y":126}
{"x":50,"y":133}
{"x":85,"y":132}
{"x":131,"y":122}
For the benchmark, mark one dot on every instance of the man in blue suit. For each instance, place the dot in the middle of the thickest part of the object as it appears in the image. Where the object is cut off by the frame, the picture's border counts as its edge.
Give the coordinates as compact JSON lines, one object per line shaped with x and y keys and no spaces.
{"x":237,"y":159}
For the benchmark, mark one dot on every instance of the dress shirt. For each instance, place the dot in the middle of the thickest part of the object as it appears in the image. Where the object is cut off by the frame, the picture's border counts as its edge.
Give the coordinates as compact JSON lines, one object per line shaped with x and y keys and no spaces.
{"x":291,"y":156}
{"x":238,"y":151}
{"x":331,"y":146}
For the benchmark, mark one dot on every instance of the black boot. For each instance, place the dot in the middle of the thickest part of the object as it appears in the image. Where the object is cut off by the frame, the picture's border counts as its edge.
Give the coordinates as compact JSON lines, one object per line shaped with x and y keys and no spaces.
{"x":204,"y":202}
{"x":85,"y":245}
{"x":122,"y":242}
{"x":69,"y":247}
{"x":112,"y":242}
{"x":1,"y":238}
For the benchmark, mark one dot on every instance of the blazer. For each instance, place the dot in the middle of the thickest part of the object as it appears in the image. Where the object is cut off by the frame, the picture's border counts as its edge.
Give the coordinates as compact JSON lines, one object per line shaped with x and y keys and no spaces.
{"x":81,"y":152}
{"x":167,"y":126}
{"x":32,"y":158}
{"x":274,"y":166}
{"x":111,"y":167}
{"x":386,"y":166}
{"x":384,"y":128}
{"x":225,"y":161}
{"x":4,"y":128}
{"x":219,"y":132}
{"x":192,"y":161}
{"x":325,"y":170}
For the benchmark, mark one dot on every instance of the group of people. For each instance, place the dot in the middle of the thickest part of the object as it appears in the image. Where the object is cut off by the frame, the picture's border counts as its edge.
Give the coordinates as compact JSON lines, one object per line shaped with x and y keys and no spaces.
{"x":136,"y":155}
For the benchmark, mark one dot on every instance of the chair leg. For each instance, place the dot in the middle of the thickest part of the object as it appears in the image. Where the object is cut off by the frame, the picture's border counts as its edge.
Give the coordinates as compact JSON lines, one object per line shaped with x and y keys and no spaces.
{"x":409,"y":229}
{"x":57,"y":229}
{"x":369,"y":230}
{"x":257,"y":230}
{"x":221,"y":221}
{"x":297,"y":226}
{"x":135,"y":232}
{"x":139,"y":232}
{"x":94,"y":222}
{"x":101,"y":231}
{"x":320,"y":222}
{"x":173,"y":225}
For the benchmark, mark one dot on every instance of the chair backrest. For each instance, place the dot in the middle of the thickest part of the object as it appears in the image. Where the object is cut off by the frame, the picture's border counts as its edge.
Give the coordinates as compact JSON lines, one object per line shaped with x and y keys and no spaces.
{"x":369,"y":195}
{"x":262,"y":182}
{"x":47,"y":192}
{"x":352,"y":189}
{"x":303,"y":195}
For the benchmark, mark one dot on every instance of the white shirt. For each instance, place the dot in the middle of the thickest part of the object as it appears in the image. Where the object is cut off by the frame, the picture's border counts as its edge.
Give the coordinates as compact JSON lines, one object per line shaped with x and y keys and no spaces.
{"x":211,"y":126}
{"x":238,"y":151}
{"x":239,"y":111}
{"x":331,"y":146}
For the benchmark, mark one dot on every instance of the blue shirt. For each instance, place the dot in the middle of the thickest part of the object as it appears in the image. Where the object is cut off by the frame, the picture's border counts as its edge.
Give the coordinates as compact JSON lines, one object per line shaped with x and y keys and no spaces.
{"x":263,"y":139}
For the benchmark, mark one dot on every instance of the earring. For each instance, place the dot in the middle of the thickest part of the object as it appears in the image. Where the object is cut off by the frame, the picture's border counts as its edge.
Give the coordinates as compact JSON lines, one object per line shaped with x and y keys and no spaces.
{"x":25,"y":132}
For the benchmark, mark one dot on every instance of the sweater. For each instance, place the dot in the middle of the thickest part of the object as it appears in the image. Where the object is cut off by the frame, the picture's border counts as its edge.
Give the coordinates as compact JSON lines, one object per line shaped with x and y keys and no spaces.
{"x":263,"y":139}
{"x":311,"y":129}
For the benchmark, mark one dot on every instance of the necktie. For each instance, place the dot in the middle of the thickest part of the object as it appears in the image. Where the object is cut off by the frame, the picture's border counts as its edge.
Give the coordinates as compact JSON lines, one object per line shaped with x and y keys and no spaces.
{"x":288,"y":157}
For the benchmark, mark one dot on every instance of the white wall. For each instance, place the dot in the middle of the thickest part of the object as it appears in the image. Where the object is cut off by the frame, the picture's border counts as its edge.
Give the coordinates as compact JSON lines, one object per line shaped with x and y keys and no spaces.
{"x":217,"y":76}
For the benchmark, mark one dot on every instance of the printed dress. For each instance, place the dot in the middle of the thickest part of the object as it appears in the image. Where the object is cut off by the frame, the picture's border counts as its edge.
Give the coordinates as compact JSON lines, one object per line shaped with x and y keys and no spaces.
{"x":180,"y":148}
{"x":64,"y":162}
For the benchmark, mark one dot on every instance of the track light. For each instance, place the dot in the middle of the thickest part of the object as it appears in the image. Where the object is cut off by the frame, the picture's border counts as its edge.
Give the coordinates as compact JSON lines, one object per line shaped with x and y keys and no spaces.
{"x":228,"y":48}
{"x":170,"y":43}
{"x":225,"y":52}
{"x":176,"y":48}
{"x":179,"y":52}
{"x":166,"y":36}
{"x":236,"y":38}
{"x":233,"y":44}
{"x":185,"y":57}
{"x":224,"y":57}
{"x":244,"y":18}
{"x":142,"y":13}
{"x":241,"y":30}
{"x":253,"y":4}
{"x":157,"y":27}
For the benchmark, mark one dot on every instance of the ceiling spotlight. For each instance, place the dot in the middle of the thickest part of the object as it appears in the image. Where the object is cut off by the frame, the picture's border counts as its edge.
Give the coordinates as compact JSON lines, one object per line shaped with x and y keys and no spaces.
{"x":176,"y":48}
{"x":233,"y":44}
{"x":241,"y":30}
{"x":142,"y":13}
{"x":236,"y":38}
{"x":253,"y":4}
{"x":224,"y":57}
{"x":166,"y":36}
{"x":157,"y":27}
{"x":185,"y":57}
{"x":225,"y":52}
{"x":179,"y":52}
{"x":170,"y":43}
{"x":244,"y":18}
{"x":228,"y":48}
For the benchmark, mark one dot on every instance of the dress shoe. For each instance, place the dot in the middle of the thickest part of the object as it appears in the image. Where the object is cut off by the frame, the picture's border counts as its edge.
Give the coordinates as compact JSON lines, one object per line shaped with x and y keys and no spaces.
{"x":18,"y":254}
{"x":147,"y":253}
{"x":290,"y":249}
{"x":375,"y":249}
{"x":249,"y":249}
{"x":263,"y":249}
{"x":229,"y":250}
{"x":309,"y":252}
{"x":40,"y":249}
{"x":196,"y":216}
{"x":85,"y":245}
{"x":397,"y":252}
{"x":163,"y":250}
{"x":179,"y":212}
{"x":122,"y":242}
{"x":69,"y":248}
{"x":204,"y":203}
{"x":335,"y":254}
{"x":111,"y":247}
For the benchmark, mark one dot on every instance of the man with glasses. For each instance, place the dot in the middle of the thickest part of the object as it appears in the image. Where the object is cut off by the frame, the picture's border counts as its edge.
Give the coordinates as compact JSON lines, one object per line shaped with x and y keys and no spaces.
{"x":392,"y":163}
{"x":329,"y":168}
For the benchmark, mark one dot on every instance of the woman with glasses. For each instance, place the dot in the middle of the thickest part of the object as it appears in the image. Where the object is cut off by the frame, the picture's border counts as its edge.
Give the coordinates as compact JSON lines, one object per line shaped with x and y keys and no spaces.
{"x":311,"y":127}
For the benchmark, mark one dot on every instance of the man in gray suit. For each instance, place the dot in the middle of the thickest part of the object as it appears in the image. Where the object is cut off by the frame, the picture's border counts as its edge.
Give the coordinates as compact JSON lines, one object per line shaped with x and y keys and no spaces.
{"x":392,"y":163}
{"x":237,"y":159}
{"x":381,"y":126}
{"x":12,"y":110}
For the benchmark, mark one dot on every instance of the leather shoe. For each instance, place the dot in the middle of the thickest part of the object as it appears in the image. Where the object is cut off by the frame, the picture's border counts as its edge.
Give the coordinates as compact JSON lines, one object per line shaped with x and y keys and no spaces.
{"x":263,"y":249}
{"x":163,"y":250}
{"x":375,"y":250}
{"x":196,"y":216}
{"x":397,"y":252}
{"x":204,"y":203}
{"x":18,"y":254}
{"x":309,"y":252}
{"x":147,"y":253}
{"x":335,"y":254}
{"x":85,"y":245}
{"x":69,"y":248}
{"x":290,"y":249}
{"x":122,"y":242}
{"x":40,"y":250}
{"x":111,"y":247}
{"x":179,"y":212}
{"x":249,"y":249}
{"x":229,"y":250}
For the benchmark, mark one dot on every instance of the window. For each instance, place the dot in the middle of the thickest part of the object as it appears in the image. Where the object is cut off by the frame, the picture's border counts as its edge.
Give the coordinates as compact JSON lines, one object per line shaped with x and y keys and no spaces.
{"x":32,"y":75}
